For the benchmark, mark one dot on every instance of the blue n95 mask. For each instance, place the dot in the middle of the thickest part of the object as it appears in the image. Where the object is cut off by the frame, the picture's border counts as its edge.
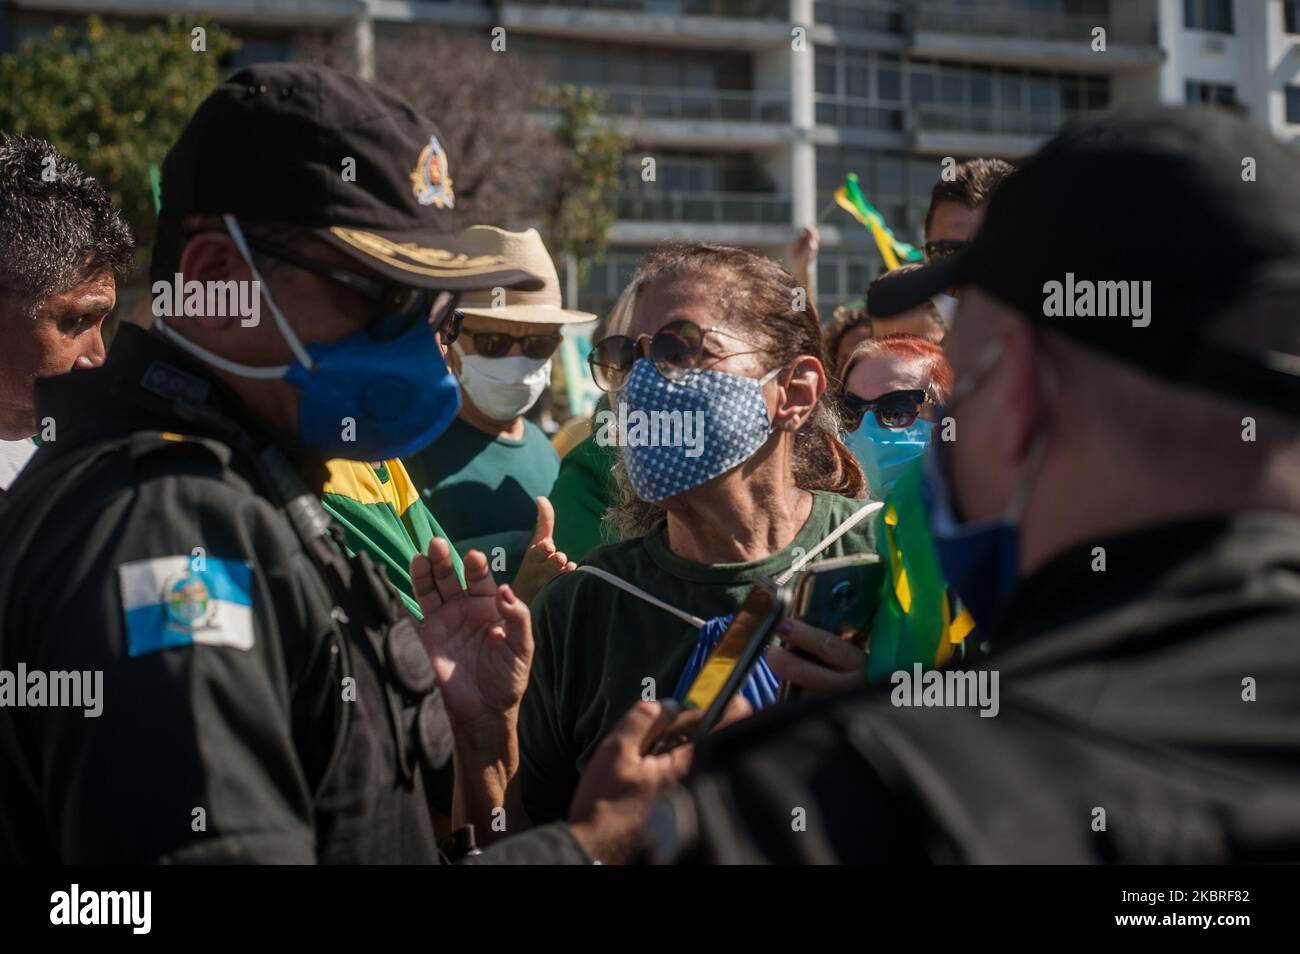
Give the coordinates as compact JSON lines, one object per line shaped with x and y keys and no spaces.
{"x":361,"y":399}
{"x":725,"y":413}
{"x":980,"y":559}
{"x":885,"y":452}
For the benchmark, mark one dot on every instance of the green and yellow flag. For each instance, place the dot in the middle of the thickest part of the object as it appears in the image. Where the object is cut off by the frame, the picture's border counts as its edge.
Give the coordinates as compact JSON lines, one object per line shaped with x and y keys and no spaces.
{"x":916,"y":621}
{"x":382,"y":513}
{"x":849,"y":197}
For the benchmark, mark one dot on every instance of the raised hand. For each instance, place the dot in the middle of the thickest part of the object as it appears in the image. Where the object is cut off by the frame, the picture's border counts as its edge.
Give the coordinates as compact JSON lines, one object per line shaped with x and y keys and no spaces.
{"x":541,"y":562}
{"x":480,"y":638}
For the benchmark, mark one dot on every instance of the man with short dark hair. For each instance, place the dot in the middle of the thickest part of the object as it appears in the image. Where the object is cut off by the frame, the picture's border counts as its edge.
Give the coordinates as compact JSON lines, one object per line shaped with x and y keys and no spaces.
{"x":957,"y":204}
{"x":1118,"y":507}
{"x":63,"y":248}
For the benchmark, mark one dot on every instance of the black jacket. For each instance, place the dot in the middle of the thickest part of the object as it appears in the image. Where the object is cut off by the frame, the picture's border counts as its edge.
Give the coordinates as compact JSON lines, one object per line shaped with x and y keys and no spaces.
{"x":305,"y":736}
{"x":1149,"y":713}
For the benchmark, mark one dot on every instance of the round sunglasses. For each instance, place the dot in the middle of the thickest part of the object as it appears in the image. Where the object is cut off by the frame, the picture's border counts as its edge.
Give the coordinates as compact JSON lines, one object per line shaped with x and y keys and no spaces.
{"x":892,"y":409}
{"x":675,"y":349}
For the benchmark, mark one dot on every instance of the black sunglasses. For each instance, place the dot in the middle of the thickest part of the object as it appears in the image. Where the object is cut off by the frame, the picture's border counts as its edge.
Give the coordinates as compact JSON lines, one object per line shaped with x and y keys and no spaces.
{"x":497,"y":344}
{"x":937,"y":250}
{"x":394,"y":308}
{"x":676,"y":348}
{"x":892,"y":409}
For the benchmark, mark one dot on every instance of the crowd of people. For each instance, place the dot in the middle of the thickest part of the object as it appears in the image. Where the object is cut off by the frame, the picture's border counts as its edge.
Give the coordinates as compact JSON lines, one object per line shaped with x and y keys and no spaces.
{"x":349,"y":604}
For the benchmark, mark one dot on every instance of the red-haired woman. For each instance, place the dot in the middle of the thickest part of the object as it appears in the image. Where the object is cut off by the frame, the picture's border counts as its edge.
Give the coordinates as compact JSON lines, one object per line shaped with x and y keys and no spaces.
{"x":893,"y":389}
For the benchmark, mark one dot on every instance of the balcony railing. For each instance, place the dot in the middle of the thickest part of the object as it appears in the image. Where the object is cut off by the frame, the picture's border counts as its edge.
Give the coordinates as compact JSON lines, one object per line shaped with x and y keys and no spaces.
{"x":839,"y":111}
{"x":1027,"y":122}
{"x":747,"y":9}
{"x":999,"y":19}
{"x":733,"y":208}
{"x":885,"y":16}
{"x":651,"y":102}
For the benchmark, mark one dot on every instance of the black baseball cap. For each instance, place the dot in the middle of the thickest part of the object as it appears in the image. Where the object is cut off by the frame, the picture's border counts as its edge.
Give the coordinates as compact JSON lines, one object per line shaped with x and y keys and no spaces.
{"x":1201,"y":203}
{"x":306,"y":145}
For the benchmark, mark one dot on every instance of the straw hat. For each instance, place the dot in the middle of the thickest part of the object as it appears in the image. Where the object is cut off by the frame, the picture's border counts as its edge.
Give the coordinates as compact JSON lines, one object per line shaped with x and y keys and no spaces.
{"x":524,"y":251}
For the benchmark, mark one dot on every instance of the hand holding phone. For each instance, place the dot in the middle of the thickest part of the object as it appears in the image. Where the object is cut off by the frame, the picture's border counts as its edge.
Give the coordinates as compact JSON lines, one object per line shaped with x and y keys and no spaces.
{"x":836,"y":596}
{"x":731,"y":661}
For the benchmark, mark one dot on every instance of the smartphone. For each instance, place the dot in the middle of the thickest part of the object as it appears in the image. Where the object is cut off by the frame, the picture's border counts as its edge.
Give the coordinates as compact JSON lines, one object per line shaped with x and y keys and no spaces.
{"x":726,"y":668}
{"x":840,"y":596}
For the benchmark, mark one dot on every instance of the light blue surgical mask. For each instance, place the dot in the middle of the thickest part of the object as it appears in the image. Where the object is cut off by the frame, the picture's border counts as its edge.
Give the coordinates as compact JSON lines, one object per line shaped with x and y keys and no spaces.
{"x":361,"y":399}
{"x":885,"y":452}
{"x":729,"y":408}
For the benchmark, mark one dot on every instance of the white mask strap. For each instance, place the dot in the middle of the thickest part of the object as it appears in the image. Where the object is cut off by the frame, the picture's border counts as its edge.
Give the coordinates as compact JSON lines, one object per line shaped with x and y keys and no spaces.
{"x":286,"y":332}
{"x":216,"y":360}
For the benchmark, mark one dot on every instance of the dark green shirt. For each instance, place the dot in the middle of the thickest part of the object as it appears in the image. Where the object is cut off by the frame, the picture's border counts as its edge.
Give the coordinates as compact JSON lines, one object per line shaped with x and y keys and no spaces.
{"x":483,"y":489}
{"x":582,"y":493}
{"x":597,"y":645}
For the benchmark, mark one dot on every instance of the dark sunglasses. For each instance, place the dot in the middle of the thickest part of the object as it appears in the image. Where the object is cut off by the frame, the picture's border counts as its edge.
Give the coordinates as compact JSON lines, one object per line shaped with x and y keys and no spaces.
{"x":497,"y":344}
{"x":937,"y":250}
{"x":676,"y":348}
{"x":892,"y":409}
{"x":394,"y":309}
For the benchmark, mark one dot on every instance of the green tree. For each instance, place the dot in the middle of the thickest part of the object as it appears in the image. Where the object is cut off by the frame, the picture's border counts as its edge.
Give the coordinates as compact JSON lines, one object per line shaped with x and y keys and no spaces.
{"x":579,"y":209}
{"x":114,"y":100}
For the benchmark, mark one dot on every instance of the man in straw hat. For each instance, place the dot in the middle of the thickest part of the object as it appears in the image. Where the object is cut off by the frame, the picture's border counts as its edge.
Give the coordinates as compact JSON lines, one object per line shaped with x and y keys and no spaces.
{"x":488,"y":476}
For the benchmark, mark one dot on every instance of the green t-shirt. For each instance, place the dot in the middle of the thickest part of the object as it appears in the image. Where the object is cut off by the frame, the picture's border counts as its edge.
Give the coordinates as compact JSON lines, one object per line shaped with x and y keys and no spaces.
{"x":381,"y":513}
{"x":595,"y":643}
{"x":582,"y":493}
{"x":484,"y":488}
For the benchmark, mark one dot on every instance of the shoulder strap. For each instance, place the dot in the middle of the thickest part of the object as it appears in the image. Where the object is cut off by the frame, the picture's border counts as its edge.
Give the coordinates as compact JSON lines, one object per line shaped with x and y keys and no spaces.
{"x":642,"y":594}
{"x":849,"y":523}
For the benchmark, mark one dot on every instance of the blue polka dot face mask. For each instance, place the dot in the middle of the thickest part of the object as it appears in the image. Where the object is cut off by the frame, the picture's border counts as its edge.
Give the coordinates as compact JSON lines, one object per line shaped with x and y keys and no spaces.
{"x":675,"y":435}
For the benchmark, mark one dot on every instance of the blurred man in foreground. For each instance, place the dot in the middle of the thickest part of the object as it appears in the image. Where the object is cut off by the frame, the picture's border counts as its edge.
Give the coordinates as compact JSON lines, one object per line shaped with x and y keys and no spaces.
{"x":1120,"y":507}
{"x":63,"y":249}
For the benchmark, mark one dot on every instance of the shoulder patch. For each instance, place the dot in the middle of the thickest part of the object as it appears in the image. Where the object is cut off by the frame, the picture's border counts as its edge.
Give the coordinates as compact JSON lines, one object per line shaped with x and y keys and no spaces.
{"x":186,"y":601}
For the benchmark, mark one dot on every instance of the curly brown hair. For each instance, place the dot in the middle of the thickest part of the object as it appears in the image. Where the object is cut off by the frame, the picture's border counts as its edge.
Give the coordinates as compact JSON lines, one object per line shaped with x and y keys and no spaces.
{"x":759,"y":296}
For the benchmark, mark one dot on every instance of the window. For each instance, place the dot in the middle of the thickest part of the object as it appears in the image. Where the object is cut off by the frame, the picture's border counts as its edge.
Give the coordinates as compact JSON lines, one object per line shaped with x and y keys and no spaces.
{"x":1291,"y":16}
{"x":1212,"y":15}
{"x":1216,"y":94}
{"x":1293,"y":104}
{"x":890,"y":80}
{"x":824,"y":70}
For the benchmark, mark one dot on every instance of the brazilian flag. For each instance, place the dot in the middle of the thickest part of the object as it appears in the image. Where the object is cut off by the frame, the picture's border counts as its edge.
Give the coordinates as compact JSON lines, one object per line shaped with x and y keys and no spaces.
{"x":917,"y":620}
{"x":382,"y":514}
{"x":893,"y":250}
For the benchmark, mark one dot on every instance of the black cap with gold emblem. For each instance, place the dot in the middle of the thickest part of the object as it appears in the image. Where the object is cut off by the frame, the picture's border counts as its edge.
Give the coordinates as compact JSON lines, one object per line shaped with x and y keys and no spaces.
{"x":305,"y":145}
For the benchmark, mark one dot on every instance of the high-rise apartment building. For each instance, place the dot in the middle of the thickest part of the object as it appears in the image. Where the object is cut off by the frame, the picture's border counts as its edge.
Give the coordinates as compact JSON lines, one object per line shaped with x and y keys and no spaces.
{"x":754,"y":110}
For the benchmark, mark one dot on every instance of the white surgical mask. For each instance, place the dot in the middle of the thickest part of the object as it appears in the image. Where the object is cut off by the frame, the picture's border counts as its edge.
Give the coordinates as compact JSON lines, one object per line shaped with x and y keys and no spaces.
{"x":503,"y":388}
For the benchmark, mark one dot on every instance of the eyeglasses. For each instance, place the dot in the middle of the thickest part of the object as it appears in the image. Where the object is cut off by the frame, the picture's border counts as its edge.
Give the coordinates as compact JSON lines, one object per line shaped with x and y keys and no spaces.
{"x":394,"y":309}
{"x":892,"y":409}
{"x":937,"y":250}
{"x":449,"y":329}
{"x":675,"y":349}
{"x":497,"y":344}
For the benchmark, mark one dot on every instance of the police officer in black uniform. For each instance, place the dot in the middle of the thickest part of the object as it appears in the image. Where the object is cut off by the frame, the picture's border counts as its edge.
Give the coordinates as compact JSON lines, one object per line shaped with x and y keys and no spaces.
{"x":264,"y":697}
{"x":1138,"y":468}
